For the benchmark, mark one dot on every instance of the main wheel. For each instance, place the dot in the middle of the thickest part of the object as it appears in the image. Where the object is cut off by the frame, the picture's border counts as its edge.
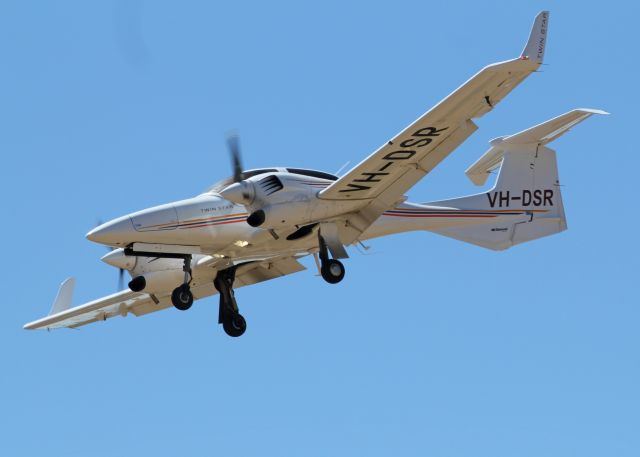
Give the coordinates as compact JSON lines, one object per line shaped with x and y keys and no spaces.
{"x":234,"y":325}
{"x":182,"y":298}
{"x":332,"y":271}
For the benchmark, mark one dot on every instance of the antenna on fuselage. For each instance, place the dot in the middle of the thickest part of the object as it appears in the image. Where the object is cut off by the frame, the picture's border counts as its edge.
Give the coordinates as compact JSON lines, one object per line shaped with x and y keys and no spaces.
{"x":337,"y":173}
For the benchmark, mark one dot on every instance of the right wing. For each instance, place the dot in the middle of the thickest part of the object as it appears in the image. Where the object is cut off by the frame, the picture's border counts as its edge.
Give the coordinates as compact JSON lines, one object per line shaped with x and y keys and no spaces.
{"x":381,"y":180}
{"x":140,"y":303}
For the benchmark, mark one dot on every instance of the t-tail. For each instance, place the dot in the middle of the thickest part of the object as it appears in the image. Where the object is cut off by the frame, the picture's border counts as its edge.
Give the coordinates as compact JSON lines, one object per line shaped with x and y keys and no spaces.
{"x":526,"y":201}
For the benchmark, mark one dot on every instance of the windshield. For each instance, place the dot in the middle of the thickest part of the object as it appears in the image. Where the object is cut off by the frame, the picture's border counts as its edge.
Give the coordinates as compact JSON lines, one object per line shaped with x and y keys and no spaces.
{"x":217,"y":187}
{"x":313,"y":173}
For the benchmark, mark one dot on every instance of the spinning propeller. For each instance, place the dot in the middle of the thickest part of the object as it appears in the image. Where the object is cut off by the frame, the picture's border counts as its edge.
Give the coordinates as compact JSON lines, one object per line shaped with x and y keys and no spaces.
{"x":120,"y":279}
{"x":233,"y":141}
{"x":240,"y":191}
{"x":120,"y":269}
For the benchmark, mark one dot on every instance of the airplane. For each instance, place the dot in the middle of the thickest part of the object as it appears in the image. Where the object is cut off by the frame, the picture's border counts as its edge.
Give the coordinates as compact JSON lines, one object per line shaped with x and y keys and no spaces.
{"x":255,"y":225}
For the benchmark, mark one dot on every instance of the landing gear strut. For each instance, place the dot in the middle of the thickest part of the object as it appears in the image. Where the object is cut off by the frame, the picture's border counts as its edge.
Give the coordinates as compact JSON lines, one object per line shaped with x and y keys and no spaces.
{"x":181,"y":297}
{"x":331,"y":270}
{"x":228,"y":315}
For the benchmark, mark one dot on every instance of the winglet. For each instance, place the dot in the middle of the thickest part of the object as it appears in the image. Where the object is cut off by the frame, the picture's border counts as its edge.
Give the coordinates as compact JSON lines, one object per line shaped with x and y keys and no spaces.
{"x":534,"y":50}
{"x":63,"y":299}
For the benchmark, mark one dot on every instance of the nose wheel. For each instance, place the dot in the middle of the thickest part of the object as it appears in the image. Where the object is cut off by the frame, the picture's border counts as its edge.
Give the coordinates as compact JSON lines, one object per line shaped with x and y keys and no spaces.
{"x":228,"y":314}
{"x":182,"y":297}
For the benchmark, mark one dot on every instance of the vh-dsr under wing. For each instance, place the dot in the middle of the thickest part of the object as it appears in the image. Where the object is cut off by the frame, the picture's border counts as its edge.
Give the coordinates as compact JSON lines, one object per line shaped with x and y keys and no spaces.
{"x":255,"y":226}
{"x":382,"y":179}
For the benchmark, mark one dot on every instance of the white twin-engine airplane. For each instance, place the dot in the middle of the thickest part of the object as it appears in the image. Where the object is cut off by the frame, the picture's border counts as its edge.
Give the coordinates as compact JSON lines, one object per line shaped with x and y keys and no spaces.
{"x":255,"y":226}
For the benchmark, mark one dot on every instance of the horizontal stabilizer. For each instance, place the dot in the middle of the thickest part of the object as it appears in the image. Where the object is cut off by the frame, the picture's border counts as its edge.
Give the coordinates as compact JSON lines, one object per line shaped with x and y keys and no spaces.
{"x":64,"y":297}
{"x":548,"y":131}
{"x":539,"y":135}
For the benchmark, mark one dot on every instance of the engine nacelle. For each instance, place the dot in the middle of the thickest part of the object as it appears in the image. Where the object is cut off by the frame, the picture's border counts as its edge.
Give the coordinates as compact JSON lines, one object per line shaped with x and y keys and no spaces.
{"x":280,"y":215}
{"x":277,"y":200}
{"x":157,"y":281}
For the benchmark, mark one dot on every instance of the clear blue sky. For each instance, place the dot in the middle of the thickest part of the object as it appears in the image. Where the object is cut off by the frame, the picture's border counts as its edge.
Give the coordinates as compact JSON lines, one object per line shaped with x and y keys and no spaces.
{"x":428,"y":347}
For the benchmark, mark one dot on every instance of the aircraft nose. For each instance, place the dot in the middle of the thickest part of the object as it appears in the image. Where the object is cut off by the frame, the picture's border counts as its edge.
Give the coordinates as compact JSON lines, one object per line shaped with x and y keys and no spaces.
{"x":113,"y":233}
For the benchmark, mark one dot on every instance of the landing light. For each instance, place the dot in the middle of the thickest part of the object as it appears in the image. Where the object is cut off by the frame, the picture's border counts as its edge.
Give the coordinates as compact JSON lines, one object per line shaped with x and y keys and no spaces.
{"x":241,"y":243}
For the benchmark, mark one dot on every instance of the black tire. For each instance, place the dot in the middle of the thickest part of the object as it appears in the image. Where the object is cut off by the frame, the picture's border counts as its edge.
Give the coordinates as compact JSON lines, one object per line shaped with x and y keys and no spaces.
{"x":235,"y":325}
{"x":332,"y":271}
{"x":182,"y":298}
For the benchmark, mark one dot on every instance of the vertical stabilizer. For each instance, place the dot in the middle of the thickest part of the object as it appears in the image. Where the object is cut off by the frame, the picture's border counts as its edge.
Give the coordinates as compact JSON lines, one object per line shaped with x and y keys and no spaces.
{"x":526,"y":202}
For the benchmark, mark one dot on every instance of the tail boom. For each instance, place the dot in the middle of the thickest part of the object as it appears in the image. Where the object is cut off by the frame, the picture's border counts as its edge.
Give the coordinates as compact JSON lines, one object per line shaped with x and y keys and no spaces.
{"x":524,"y":204}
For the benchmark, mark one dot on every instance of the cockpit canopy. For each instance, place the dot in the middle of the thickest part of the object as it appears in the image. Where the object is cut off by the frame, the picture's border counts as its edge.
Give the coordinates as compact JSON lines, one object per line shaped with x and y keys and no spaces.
{"x":258,"y":171}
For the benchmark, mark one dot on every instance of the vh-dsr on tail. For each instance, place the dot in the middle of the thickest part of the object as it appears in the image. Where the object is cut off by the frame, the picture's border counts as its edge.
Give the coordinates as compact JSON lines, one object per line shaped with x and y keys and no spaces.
{"x":526,"y":201}
{"x":257,"y":224}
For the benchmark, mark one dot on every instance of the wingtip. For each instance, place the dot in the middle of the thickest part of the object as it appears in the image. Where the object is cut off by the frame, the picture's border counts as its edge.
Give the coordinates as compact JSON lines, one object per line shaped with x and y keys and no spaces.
{"x":593,"y":111}
{"x":536,"y":44}
{"x":64,"y":296}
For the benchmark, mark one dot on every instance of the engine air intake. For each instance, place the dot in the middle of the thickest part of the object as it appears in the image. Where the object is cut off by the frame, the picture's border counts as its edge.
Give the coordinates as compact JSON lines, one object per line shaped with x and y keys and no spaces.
{"x":270,"y":185}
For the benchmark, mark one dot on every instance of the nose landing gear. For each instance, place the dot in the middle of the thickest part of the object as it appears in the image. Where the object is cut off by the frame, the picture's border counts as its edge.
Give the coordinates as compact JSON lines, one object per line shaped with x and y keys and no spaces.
{"x":182,"y":298}
{"x":228,"y":315}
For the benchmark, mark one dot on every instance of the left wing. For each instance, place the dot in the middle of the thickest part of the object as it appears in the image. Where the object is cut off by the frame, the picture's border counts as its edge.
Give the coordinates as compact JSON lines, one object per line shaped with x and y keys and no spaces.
{"x":140,"y":303}
{"x":381,"y":180}
{"x":121,"y":303}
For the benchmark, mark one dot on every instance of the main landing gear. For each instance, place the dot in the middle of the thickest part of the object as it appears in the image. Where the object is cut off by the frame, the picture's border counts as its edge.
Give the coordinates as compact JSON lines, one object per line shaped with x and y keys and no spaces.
{"x":228,"y":315}
{"x":181,"y":297}
{"x":331,"y":270}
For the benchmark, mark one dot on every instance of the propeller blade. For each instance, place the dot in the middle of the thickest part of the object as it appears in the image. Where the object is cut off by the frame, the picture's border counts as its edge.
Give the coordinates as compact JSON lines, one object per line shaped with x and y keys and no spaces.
{"x":120,"y":270}
{"x":233,"y":141}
